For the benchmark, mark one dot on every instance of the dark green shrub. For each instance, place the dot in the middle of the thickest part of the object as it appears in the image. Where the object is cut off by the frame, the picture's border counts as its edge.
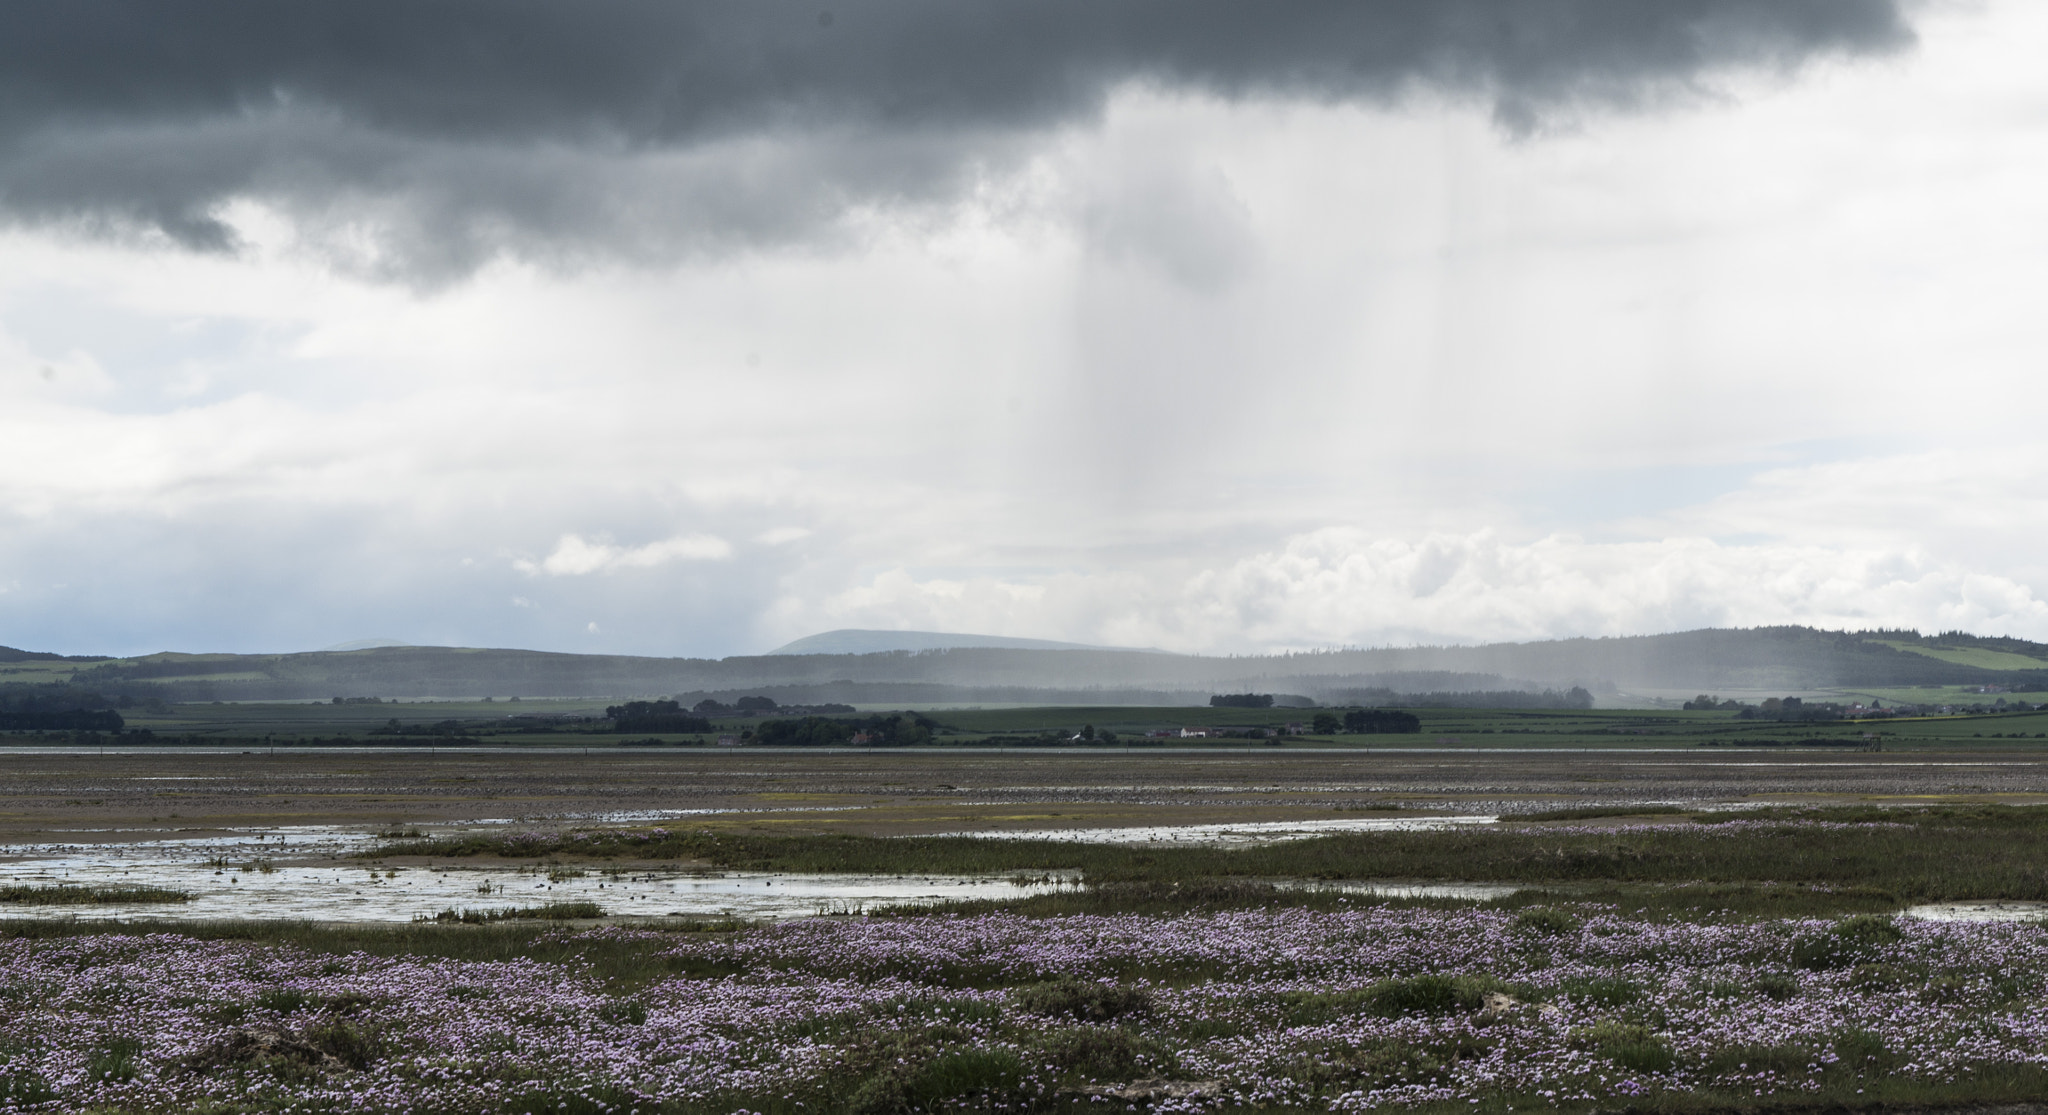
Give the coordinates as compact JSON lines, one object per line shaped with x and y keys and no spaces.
{"x":23,"y":1089}
{"x":114,"y":1060}
{"x":1881,"y":977}
{"x":1083,"y":1000}
{"x":283,"y":1000}
{"x":958,"y":1074}
{"x":624,"y":1011}
{"x":1944,"y":989}
{"x":956,"y":1011}
{"x":1605,"y":991}
{"x":1777,"y":985}
{"x":227,"y":1014}
{"x":1425,"y":994}
{"x":1860,"y":1052}
{"x":349,"y":1043}
{"x":1648,"y":1055}
{"x":1342,"y":1068}
{"x":1209,"y":1029}
{"x":1547,"y":921}
{"x":1428,"y":994}
{"x":1849,"y":942}
{"x":1785,"y":1060}
{"x":1313,"y":1008}
{"x":1101,"y":1053}
{"x":1628,"y":1044}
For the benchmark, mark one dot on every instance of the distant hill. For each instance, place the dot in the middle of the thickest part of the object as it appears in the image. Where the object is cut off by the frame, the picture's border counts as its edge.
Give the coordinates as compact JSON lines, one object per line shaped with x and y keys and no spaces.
{"x":368,"y":644}
{"x":1715,"y":660}
{"x":10,"y":654}
{"x":851,"y":640}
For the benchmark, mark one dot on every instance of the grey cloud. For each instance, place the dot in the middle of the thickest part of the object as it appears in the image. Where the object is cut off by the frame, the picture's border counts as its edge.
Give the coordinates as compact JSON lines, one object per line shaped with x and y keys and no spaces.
{"x":405,"y":207}
{"x":1187,"y":221}
{"x":450,"y":130}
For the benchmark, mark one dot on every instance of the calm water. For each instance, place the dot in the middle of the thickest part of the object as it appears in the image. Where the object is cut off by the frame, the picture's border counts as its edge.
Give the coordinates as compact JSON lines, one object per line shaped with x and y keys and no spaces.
{"x":226,"y":878}
{"x":1980,"y":911}
{"x":1258,"y":832}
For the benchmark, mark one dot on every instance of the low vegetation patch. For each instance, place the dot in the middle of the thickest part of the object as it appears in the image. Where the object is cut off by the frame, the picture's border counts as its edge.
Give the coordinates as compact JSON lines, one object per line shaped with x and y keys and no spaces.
{"x":1380,"y":1007}
{"x":553,"y":911}
{"x":1881,"y":859}
{"x":88,"y":895}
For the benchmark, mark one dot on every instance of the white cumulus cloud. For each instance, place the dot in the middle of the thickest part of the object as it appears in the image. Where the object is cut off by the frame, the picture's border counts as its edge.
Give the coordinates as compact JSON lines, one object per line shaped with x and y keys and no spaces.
{"x":1345,"y":586}
{"x":576,"y":556}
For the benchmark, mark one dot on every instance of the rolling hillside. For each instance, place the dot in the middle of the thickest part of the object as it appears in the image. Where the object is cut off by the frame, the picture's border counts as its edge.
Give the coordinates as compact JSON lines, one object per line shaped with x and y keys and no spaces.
{"x":1775,"y":658}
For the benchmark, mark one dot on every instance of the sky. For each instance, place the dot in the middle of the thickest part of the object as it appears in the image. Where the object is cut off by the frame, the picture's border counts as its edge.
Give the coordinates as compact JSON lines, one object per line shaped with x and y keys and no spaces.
{"x":694,"y":327}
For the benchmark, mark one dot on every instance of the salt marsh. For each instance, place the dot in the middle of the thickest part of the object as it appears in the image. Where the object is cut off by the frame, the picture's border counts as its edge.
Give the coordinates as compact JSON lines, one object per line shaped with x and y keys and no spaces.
{"x":307,"y":874}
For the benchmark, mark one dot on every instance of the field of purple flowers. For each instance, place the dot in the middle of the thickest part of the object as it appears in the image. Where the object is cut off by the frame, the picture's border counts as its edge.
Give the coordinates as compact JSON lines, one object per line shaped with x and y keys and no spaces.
{"x":1470,"y":1009}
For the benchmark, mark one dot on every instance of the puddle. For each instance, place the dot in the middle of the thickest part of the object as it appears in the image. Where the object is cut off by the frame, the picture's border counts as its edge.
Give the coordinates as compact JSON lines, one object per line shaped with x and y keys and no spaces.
{"x":1979,"y":911}
{"x":325,"y":891}
{"x":1258,"y":832}
{"x":225,"y":874}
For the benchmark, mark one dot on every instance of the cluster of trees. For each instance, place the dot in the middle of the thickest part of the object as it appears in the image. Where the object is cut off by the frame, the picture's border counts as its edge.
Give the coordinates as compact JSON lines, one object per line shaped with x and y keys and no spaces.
{"x":885,"y":730}
{"x":1793,"y":709}
{"x":56,"y":708}
{"x":1366,"y":721}
{"x":1064,"y":739}
{"x":758,"y":706}
{"x":65,"y":720}
{"x":655,"y":716}
{"x":745,"y":706}
{"x":1241,"y":700}
{"x":1772,"y":708}
{"x":363,"y":700}
{"x":445,"y":729}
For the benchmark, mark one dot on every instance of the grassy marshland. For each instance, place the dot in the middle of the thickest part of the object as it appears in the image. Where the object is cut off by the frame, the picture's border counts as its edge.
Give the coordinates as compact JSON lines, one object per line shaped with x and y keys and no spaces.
{"x":87,"y":896}
{"x":1888,"y":857}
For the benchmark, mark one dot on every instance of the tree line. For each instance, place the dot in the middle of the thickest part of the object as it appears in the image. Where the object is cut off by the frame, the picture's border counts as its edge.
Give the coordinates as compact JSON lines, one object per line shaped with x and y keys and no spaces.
{"x":1366,"y":721}
{"x":56,"y":708}
{"x":900,"y":730}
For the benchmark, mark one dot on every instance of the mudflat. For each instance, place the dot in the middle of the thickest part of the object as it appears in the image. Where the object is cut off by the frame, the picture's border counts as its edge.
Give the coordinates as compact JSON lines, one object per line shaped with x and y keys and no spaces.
{"x":56,"y":796}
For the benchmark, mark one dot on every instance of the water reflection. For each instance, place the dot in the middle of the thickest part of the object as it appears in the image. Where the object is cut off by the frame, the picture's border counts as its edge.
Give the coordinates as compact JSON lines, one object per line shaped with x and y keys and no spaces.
{"x":290,"y":876}
{"x":306,"y":872}
{"x":2012,"y":910}
{"x":1254,"y":832}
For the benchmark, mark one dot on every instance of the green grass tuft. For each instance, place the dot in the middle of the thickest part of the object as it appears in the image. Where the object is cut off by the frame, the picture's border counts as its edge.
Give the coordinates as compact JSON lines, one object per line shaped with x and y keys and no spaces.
{"x":89,"y":896}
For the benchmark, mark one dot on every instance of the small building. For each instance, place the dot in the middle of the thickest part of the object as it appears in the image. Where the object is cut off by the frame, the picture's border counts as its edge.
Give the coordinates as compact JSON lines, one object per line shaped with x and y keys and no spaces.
{"x":1194,"y":733}
{"x":728,"y":741}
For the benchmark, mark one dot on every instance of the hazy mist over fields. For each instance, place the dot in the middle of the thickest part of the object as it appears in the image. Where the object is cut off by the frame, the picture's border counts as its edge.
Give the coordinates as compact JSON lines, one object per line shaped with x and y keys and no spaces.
{"x":697,"y":328}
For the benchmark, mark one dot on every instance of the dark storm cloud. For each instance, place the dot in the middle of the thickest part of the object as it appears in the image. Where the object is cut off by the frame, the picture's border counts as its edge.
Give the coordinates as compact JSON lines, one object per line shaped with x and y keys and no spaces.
{"x":446,"y":130}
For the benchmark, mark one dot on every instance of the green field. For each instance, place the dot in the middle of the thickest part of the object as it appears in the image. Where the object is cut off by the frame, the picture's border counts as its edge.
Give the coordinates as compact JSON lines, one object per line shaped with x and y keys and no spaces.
{"x":36,"y":673}
{"x":1979,"y":657}
{"x":580,"y":723}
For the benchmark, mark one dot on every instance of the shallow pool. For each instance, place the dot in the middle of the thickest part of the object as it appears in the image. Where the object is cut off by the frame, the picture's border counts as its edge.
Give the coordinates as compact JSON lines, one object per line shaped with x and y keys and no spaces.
{"x":289,"y":874}
{"x":1988,"y":910}
{"x":1252,"y":832}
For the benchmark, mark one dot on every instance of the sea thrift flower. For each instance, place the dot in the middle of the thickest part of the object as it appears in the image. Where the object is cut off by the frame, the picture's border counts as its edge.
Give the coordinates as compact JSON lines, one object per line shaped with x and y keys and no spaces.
{"x":1349,"y":1011}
